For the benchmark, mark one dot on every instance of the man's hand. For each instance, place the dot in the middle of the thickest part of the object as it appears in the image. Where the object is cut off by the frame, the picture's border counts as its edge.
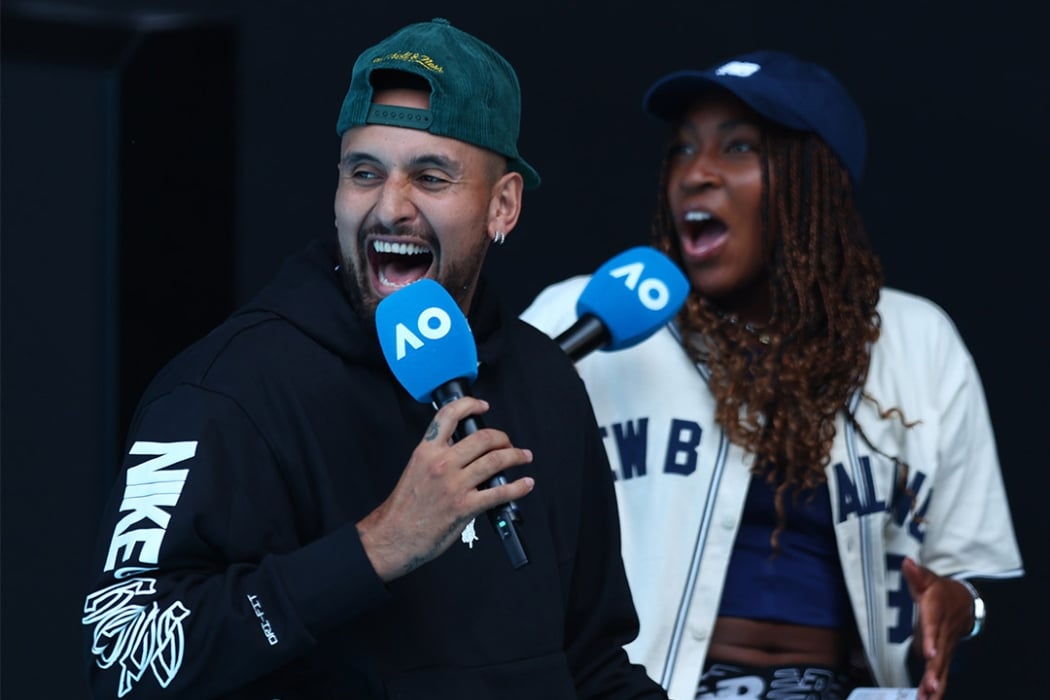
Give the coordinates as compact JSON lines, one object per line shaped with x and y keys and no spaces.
{"x":438,"y":493}
{"x":945,"y":616}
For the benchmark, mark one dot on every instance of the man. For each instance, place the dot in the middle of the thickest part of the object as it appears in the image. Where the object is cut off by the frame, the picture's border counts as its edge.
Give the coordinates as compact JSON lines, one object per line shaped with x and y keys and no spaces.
{"x":290,"y":523}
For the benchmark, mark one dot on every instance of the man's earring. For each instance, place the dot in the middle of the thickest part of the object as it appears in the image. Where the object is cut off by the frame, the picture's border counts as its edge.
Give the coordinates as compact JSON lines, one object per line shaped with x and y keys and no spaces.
{"x":499,"y":237}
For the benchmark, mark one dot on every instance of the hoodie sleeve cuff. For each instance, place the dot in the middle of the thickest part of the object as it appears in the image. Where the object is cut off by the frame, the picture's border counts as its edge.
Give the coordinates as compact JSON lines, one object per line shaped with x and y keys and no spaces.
{"x":332,"y":580}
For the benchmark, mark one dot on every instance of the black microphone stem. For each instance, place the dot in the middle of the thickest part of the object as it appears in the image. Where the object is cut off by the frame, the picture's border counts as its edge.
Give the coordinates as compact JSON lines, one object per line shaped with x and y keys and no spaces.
{"x":502,"y":517}
{"x":587,"y":334}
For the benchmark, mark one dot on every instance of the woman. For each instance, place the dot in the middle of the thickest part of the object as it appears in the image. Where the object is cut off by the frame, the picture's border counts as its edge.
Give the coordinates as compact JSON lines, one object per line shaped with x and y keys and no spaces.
{"x":804,"y":462}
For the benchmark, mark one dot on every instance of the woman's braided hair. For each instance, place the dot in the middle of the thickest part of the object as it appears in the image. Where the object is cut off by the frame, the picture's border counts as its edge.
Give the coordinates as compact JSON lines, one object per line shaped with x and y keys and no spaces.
{"x":780,"y":403}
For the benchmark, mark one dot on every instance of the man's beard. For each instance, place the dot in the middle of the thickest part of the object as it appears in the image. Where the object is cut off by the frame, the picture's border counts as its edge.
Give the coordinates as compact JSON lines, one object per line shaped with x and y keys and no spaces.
{"x":457,"y":278}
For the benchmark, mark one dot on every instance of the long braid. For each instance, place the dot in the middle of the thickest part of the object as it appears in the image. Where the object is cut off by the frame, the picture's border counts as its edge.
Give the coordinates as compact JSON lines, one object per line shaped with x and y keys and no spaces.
{"x":781,"y":403}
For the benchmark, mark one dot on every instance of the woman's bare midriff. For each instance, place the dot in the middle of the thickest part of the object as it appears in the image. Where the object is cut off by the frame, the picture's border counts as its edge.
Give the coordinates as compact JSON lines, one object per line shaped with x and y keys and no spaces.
{"x":763,"y":643}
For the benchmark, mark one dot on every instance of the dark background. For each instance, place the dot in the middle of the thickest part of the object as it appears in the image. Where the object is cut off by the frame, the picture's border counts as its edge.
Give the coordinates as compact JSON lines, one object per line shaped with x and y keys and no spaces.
{"x":161,"y":159}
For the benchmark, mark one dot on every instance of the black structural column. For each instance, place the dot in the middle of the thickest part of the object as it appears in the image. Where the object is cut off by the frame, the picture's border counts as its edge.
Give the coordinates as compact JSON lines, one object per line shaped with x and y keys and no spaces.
{"x":118,"y":148}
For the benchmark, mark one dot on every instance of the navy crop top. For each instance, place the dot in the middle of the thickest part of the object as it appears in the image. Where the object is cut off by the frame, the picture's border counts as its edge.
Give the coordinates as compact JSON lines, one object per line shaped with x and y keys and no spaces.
{"x":800,"y":584}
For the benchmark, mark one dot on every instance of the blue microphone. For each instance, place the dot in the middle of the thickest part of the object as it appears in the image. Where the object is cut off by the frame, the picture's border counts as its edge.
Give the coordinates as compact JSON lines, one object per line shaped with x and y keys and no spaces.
{"x":430,"y":348}
{"x":628,"y":298}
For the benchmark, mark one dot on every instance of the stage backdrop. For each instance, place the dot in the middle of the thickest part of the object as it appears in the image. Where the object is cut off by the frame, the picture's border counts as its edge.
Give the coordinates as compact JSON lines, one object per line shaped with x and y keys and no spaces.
{"x":161,"y":159}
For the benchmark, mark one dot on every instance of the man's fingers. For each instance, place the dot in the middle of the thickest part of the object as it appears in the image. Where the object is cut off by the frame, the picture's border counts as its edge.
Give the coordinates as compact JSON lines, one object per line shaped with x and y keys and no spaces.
{"x":483,"y":454}
{"x":498,"y":495}
{"x":447,"y":419}
{"x":455,"y":411}
{"x":487,"y":461}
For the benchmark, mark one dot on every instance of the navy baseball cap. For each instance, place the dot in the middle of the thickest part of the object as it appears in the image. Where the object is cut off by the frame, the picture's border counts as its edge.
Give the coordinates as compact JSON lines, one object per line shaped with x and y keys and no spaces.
{"x":475,"y":96}
{"x":782,"y":88}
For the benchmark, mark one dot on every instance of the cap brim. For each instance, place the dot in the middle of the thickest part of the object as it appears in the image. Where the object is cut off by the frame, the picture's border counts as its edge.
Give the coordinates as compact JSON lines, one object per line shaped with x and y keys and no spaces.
{"x":787,"y":92}
{"x":669,"y":95}
{"x":528,"y":174}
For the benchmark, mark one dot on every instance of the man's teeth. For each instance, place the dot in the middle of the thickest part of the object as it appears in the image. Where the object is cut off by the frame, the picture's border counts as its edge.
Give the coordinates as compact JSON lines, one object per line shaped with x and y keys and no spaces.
{"x":399,"y":248}
{"x":697,"y":216}
{"x":387,"y":283}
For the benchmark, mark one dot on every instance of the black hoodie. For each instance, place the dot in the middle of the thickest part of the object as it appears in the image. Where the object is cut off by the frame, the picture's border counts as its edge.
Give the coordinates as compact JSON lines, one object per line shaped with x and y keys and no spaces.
{"x":229,"y":562}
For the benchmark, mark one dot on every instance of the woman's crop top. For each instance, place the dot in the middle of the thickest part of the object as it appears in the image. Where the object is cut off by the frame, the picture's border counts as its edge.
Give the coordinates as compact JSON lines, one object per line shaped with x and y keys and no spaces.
{"x":803,"y":582}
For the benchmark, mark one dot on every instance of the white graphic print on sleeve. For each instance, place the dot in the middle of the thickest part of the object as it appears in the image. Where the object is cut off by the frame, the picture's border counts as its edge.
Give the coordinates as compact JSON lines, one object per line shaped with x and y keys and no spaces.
{"x":135,"y":635}
{"x":131,"y":629}
{"x":149,"y":486}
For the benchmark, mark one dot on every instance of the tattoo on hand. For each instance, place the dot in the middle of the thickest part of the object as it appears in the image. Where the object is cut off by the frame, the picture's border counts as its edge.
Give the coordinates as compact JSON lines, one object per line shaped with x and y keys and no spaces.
{"x":432,"y":431}
{"x":420,"y":559}
{"x":413,"y":564}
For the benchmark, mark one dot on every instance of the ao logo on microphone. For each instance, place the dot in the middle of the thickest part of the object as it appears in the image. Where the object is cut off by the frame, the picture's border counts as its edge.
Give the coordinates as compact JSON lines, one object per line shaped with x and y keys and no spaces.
{"x":652,"y":292}
{"x":425,"y":338}
{"x":628,"y":298}
{"x":433,"y":323}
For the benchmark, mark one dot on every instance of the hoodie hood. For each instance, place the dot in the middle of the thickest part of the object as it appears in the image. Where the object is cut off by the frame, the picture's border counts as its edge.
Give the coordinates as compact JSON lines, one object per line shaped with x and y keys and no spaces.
{"x":308,"y":293}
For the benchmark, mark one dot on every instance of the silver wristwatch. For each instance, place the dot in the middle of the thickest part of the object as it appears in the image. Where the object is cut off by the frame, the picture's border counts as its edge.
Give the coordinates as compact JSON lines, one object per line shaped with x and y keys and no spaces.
{"x":978,"y":609}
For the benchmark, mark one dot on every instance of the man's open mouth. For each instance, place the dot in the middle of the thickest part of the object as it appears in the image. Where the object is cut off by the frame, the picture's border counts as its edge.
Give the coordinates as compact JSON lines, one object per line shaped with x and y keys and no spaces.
{"x":398,"y":264}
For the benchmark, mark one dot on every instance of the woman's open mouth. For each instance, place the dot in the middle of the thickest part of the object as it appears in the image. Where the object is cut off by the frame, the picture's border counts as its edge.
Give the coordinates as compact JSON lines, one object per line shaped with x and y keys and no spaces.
{"x":702,"y":235}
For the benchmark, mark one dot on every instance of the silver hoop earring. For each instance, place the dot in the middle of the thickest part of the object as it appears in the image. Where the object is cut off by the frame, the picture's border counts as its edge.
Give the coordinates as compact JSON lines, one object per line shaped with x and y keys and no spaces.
{"x":499,"y":237}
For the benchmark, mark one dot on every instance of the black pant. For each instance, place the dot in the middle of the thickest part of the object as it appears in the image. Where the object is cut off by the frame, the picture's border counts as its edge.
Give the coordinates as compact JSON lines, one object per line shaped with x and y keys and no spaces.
{"x":801,"y":682}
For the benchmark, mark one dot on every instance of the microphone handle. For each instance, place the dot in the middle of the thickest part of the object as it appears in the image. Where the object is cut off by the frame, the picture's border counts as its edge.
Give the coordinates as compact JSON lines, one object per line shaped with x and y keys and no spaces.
{"x":503,"y":517}
{"x":584,"y":336}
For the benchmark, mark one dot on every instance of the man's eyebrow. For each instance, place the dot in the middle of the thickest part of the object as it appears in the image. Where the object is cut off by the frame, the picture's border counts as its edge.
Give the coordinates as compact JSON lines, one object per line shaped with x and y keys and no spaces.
{"x":420,"y":162}
{"x":436,"y":160}
{"x":351,"y":158}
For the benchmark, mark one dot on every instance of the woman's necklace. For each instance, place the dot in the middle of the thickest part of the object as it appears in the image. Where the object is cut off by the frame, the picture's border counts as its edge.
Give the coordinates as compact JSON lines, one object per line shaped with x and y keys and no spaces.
{"x":762,"y":335}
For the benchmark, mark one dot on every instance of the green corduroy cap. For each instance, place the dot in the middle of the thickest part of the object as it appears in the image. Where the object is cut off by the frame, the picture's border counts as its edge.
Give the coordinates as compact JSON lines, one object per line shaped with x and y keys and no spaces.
{"x":474,"y":92}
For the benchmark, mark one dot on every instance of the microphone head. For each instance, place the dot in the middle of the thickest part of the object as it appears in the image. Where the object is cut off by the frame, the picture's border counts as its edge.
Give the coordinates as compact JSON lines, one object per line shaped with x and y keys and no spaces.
{"x":634,"y":294}
{"x":426,"y":339}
